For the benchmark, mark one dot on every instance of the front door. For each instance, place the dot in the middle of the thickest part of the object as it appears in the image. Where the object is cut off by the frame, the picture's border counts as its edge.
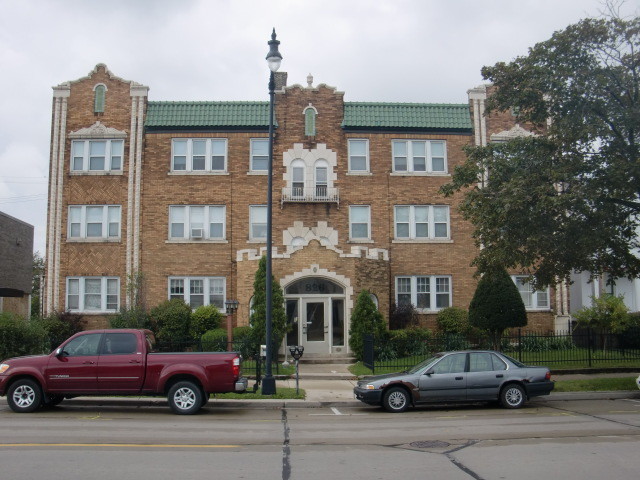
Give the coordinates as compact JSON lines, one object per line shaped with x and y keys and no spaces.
{"x":315,"y":325}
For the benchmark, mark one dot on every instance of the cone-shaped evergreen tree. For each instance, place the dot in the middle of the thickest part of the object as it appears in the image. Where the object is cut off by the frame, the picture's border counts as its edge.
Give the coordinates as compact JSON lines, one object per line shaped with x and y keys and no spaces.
{"x":365,"y":318}
{"x":259,"y":315}
{"x":497,"y":305}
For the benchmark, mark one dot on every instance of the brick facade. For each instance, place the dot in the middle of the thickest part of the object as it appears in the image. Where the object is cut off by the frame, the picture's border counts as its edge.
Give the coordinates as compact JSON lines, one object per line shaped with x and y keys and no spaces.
{"x":322,"y":227}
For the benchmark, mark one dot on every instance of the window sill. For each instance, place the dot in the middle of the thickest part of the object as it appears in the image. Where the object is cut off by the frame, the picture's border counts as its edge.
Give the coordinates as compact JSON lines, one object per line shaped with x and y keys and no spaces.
{"x":363,"y":241}
{"x":204,"y":240}
{"x":540,"y":310}
{"x":94,"y":240}
{"x":420,"y":174}
{"x":262,"y":241}
{"x":180,"y":173}
{"x":94,"y":312}
{"x":258,"y":172}
{"x":360,"y":174}
{"x":106,"y":173}
{"x":425,"y":240}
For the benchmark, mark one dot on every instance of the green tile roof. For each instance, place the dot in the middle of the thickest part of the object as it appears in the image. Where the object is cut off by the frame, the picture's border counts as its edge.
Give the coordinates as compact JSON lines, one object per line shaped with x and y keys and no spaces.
{"x":357,"y":115}
{"x":407,"y":116}
{"x":207,"y":114}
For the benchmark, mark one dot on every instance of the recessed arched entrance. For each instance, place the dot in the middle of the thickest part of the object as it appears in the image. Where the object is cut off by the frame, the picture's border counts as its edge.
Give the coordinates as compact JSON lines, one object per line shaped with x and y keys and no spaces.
{"x":315,"y":309}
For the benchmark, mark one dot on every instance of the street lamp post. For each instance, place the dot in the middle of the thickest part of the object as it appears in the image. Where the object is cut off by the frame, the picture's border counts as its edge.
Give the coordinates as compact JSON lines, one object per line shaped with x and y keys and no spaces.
{"x":231,"y":306}
{"x":273,"y":60}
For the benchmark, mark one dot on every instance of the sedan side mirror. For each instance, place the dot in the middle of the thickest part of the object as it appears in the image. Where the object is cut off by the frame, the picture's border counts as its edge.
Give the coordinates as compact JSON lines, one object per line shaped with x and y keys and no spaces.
{"x":429,"y":372}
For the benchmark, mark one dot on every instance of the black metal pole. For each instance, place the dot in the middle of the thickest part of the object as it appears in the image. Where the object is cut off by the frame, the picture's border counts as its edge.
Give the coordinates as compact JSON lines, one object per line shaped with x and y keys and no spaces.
{"x":269,"y":382}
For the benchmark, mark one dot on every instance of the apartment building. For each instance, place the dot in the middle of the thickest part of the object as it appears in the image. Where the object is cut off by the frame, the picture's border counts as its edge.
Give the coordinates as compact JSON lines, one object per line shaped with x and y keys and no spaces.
{"x":176,"y":192}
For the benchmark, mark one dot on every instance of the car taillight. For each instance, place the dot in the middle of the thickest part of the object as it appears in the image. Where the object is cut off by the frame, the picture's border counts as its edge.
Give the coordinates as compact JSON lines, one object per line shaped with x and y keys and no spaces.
{"x":547,"y":376}
{"x":236,"y":367}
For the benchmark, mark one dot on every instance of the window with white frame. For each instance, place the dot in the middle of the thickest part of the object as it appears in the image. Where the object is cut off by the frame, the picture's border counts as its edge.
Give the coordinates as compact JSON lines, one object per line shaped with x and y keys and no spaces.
{"x":259,"y":154}
{"x":358,"y":156}
{"x":257,"y":222}
{"x":197,"y":222}
{"x":199,"y":155}
{"x":359,"y":222}
{"x":321,"y":178}
{"x":532,"y":299}
{"x":419,"y":156}
{"x":297,"y":178}
{"x":424,"y":292}
{"x":96,"y":155}
{"x":417,"y":222}
{"x":94,"y":221}
{"x":198,"y":291}
{"x":93,"y":294}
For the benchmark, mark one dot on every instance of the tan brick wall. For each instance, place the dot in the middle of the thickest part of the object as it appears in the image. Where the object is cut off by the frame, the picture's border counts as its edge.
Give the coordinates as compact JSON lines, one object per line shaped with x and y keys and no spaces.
{"x":238,"y":190}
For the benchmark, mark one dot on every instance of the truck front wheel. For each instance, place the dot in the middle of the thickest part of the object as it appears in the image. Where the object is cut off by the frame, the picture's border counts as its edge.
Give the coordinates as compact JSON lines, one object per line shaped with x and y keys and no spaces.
{"x":24,"y":396}
{"x":185,"y":398}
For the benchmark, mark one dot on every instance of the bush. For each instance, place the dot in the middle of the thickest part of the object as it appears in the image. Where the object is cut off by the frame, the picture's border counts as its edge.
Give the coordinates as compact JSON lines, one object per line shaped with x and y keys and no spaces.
{"x":243,"y":342}
{"x":365,"y":318}
{"x":407,"y":342}
{"x":171,"y":320}
{"x":452,"y":341}
{"x":203,"y":319}
{"x":131,"y":318}
{"x":59,"y":326}
{"x":402,"y":316}
{"x":214,"y":340}
{"x":453,"y":320}
{"x":19,"y":337}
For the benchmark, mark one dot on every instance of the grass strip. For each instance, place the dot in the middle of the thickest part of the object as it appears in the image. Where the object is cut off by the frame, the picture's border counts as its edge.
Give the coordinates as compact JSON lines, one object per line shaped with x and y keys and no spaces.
{"x":282,"y":393}
{"x":604,"y":384}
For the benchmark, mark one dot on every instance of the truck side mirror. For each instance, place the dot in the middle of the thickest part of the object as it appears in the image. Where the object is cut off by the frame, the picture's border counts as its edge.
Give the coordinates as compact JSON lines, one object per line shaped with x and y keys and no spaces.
{"x":60,"y":352}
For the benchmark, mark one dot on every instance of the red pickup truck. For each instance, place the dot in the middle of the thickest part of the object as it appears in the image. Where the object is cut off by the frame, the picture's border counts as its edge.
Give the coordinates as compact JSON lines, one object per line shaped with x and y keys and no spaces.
{"x":118,"y":362}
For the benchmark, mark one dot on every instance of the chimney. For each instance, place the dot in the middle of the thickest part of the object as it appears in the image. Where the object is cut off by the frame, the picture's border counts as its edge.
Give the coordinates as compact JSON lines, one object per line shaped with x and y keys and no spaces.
{"x":281,"y":80}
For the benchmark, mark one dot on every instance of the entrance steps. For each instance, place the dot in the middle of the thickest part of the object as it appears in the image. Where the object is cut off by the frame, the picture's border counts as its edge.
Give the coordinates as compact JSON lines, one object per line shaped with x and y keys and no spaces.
{"x":315,"y":359}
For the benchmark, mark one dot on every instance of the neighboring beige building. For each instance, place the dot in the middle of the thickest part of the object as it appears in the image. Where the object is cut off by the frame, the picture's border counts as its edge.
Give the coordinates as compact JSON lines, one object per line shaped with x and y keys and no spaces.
{"x":177,"y":191}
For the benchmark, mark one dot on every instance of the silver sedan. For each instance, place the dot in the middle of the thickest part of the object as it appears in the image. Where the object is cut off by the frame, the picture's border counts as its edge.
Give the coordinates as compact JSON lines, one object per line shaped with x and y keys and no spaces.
{"x":462,"y":376}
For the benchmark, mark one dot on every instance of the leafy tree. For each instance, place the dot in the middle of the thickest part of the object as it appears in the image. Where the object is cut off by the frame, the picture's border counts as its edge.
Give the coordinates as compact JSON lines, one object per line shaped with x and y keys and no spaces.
{"x":607,"y":312}
{"x":365,"y":318}
{"x":568,"y":199}
{"x":19,"y":337}
{"x":38,"y":272}
{"x":497,"y":305}
{"x":58,"y":326}
{"x":259,"y":315}
{"x":402,"y":316}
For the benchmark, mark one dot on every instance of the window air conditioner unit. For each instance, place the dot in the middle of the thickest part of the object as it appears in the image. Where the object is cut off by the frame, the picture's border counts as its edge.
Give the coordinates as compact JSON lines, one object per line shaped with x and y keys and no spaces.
{"x":197,"y":233}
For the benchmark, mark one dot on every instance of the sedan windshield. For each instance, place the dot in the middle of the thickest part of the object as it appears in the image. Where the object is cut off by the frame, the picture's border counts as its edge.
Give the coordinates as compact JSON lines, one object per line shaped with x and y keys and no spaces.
{"x":423,"y":364}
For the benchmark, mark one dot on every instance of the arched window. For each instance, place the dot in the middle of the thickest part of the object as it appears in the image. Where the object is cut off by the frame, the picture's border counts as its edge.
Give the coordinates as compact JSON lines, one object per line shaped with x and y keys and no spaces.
{"x":99,"y":98}
{"x":297,"y":178}
{"x":321,"y":178}
{"x":310,"y":121}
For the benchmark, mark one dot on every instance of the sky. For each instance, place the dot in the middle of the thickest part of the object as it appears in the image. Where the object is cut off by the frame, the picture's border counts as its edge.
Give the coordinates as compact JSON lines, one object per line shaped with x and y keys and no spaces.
{"x":373,"y":50}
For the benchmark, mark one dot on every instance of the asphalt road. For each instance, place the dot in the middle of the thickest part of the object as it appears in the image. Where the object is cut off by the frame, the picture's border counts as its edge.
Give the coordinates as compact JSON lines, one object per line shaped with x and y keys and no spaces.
{"x":567,"y":439}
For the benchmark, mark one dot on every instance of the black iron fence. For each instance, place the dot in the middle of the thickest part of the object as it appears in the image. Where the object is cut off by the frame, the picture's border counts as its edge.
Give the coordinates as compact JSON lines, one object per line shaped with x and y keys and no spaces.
{"x":252,"y":363}
{"x":580,"y":348}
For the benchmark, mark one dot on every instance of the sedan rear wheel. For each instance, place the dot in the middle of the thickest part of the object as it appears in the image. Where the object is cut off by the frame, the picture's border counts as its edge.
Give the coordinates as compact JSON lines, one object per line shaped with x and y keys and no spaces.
{"x":396,"y":400}
{"x":512,"y":396}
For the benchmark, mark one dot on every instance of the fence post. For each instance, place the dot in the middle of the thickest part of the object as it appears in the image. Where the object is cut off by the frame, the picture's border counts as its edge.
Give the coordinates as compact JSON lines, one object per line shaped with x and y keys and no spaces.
{"x":368,"y":354}
{"x":520,"y":344}
{"x":589,"y":341}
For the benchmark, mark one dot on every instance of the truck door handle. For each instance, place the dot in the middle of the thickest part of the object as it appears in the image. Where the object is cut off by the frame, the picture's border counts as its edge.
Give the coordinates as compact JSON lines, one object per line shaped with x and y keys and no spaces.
{"x":134,"y":361}
{"x":459,"y":378}
{"x":499,"y":375}
{"x":88,"y":362}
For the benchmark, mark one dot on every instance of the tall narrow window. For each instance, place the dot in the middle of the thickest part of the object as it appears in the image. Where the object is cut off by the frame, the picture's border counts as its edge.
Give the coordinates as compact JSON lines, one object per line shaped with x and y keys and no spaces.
{"x":310,"y":121}
{"x":297,"y":178}
{"x":99,"y":98}
{"x":360,"y":220}
{"x":321,"y":181}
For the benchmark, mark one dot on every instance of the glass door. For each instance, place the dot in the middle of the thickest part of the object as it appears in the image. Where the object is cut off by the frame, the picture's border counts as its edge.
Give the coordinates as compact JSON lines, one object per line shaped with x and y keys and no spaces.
{"x":315,"y":326}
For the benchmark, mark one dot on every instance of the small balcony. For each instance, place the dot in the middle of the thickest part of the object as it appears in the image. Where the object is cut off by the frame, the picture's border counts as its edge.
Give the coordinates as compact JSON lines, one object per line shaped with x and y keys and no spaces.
{"x":316,"y":194}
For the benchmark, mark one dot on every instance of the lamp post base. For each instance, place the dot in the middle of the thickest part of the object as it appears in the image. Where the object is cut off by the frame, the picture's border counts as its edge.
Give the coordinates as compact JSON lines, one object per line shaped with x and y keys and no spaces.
{"x":268,"y":385}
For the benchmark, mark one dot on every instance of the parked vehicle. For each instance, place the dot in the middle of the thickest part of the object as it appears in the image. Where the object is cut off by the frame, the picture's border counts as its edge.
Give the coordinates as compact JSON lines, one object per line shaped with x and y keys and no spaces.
{"x":464,"y":376}
{"x":118,"y":362}
{"x":638,"y":381}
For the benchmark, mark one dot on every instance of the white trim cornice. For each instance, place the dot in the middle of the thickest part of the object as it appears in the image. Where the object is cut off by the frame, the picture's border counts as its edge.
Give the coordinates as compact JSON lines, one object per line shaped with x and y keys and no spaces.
{"x":515,"y":132}
{"x":98,"y":130}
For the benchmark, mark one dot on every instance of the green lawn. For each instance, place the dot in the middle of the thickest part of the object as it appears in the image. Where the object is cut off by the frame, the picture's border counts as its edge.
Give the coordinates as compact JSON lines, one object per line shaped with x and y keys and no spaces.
{"x":596,"y":385}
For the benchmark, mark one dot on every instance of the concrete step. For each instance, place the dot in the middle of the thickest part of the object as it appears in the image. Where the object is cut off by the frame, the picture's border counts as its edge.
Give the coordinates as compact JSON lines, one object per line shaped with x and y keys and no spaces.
{"x":324,"y":360}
